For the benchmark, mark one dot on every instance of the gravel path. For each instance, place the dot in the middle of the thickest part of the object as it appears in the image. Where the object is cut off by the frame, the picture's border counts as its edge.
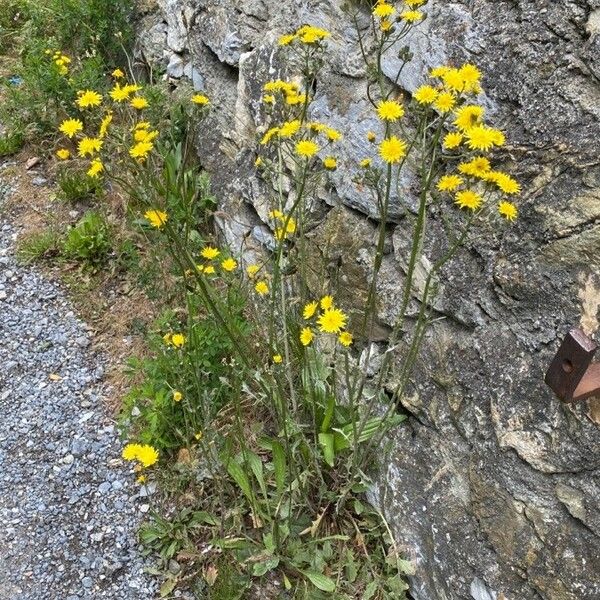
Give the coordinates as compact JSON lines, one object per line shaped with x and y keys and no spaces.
{"x":69,"y":507}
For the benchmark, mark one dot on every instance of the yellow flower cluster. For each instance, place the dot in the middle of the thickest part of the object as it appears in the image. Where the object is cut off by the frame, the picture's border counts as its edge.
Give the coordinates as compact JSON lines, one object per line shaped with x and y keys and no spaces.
{"x":209,"y":253}
{"x":308,"y":34}
{"x":284,"y":226}
{"x":289,"y":90}
{"x":385,"y":12}
{"x":144,"y":454}
{"x":329,"y":319}
{"x":61,"y":61}
{"x":449,"y":95}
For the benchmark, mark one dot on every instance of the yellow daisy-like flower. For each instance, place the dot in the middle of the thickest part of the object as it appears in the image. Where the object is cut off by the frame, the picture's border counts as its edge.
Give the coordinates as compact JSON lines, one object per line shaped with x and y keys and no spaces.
{"x":508,"y":210}
{"x":332,"y":320}
{"x":178,"y":340}
{"x":147,"y":455}
{"x":70,"y":127}
{"x":310,"y":309}
{"x":252,"y":270}
{"x":119,"y":94}
{"x":145,"y":135}
{"x":345,"y":338}
{"x":142,"y":125}
{"x":306,"y":336}
{"x":262,"y":288}
{"x":268,"y":99}
{"x":438,"y":71}
{"x":453,"y":80}
{"x":277,"y":359}
{"x":141,"y":479}
{"x":310,"y":34}
{"x":200,"y":99}
{"x":471,"y":76}
{"x":385,"y":25}
{"x":285,"y":40}
{"x":392,"y":149}
{"x":96,"y":167}
{"x":468,"y":116}
{"x":468,"y":199}
{"x":411,"y":16}
{"x":269,"y":135}
{"x":448,"y":183}
{"x":390,"y":110}
{"x":89,"y":146}
{"x":307,"y":148}
{"x":130,"y":451}
{"x":371,"y":136}
{"x":209,"y":270}
{"x":365,"y":163}
{"x":229,"y":264}
{"x":139,"y":103}
{"x":118,"y":74}
{"x":452,"y":140}
{"x":383,"y":10}
{"x":425,"y":94}
{"x":141,"y":150}
{"x":482,"y":137}
{"x":209,"y":252}
{"x":445,"y":102}
{"x":63,"y":153}
{"x":326,"y":302}
{"x":88,"y":98}
{"x":330,"y":163}
{"x":476,"y":167}
{"x":505,"y":182}
{"x":157,"y":218}
{"x":289,"y":128}
{"x":333,"y":135}
{"x":104,"y":125}
{"x":177,"y":396}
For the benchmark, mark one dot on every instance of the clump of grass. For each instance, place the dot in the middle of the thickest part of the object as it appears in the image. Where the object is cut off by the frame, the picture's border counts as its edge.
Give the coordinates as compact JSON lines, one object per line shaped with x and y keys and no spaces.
{"x":39,"y":246}
{"x":76,"y":187}
{"x":11,"y":143}
{"x":89,"y":241}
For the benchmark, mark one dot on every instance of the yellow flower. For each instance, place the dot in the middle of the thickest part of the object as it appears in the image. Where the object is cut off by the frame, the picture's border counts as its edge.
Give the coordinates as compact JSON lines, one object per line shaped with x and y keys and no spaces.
{"x":269,"y":135}
{"x":277,"y":359}
{"x":141,"y":479}
{"x":392,"y":149}
{"x":142,"y":125}
{"x":119,"y":94}
{"x":141,"y":150}
{"x":467,"y":116}
{"x":471,"y":76}
{"x":258,"y":162}
{"x":285,"y":40}
{"x":425,"y":94}
{"x":104,"y":125}
{"x":157,"y":219}
{"x":229,"y":264}
{"x":252,"y":270}
{"x":209,"y":253}
{"x":178,"y":340}
{"x":326,"y":302}
{"x":198,"y":436}
{"x":131,"y":451}
{"x":371,"y":136}
{"x":453,"y":80}
{"x":275,"y":214}
{"x":330,"y":163}
{"x":177,"y":396}
{"x":87,"y":98}
{"x":345,"y":338}
{"x":504,"y":182}
{"x":209,"y":270}
{"x":452,"y":140}
{"x":449,"y":183}
{"x":147,"y":455}
{"x":70,"y":127}
{"x":89,"y":146}
{"x":385,"y":25}
{"x":63,"y":153}
{"x":383,"y":10}
{"x":483,"y":138}
{"x":332,"y":320}
{"x":306,"y":336}
{"x":414,"y":3}
{"x":476,"y":167}
{"x":96,"y":167}
{"x":138,"y":102}
{"x":132,"y":88}
{"x":268,"y":99}
{"x":144,"y":135}
{"x":118,"y":74}
{"x":289,"y":128}
{"x":438,"y":71}
{"x":307,"y":148}
{"x":445,"y":102}
{"x":390,"y":110}
{"x":365,"y":163}
{"x":262,"y":288}
{"x":310,"y":309}
{"x":333,"y":135}
{"x":508,"y":210}
{"x":200,"y":99}
{"x":309,"y":34}
{"x":468,"y":199}
{"x":411,"y":16}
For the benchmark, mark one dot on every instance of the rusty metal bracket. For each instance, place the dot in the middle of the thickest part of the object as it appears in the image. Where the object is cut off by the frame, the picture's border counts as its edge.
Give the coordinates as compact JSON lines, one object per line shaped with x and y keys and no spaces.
{"x":572,"y":375}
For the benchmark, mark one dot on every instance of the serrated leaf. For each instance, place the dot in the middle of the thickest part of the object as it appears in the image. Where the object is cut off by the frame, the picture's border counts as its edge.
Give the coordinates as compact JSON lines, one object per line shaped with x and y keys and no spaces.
{"x":370,"y":590}
{"x":320,"y":581}
{"x":167,"y":587}
{"x":326,"y":442}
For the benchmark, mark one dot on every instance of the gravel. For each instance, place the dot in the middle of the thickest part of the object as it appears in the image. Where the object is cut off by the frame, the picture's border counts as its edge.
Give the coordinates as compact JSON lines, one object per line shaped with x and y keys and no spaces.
{"x":69,"y":505}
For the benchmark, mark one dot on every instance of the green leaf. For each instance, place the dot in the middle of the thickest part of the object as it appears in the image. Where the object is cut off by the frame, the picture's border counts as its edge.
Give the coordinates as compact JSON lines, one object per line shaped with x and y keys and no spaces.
{"x":328,"y":414}
{"x":327,"y":444}
{"x":370,"y":590}
{"x":237,"y":474}
{"x":260,"y":568}
{"x":257,"y":468}
{"x":167,"y":587}
{"x":280,"y":466}
{"x":325,"y":584}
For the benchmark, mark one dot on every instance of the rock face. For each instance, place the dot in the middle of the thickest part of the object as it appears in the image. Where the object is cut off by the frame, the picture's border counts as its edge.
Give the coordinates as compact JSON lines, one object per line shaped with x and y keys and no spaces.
{"x":493,"y":488}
